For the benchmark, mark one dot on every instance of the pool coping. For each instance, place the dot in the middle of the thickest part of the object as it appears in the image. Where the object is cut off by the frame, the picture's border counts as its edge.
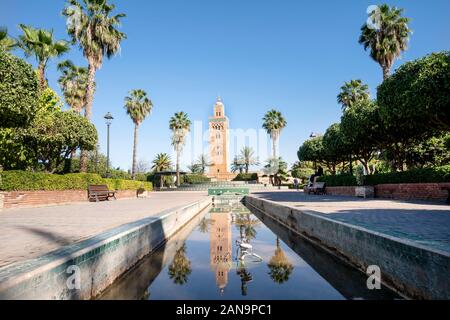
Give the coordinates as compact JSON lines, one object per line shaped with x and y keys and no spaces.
{"x":45,"y":277}
{"x":398,"y":258}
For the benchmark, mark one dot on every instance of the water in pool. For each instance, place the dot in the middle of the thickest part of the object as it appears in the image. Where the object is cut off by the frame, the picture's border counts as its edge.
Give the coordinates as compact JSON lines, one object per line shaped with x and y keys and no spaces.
{"x":229,"y":252}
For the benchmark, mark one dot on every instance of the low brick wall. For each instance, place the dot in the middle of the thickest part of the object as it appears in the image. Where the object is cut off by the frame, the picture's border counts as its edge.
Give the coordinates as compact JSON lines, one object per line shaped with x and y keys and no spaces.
{"x":403,"y":191}
{"x":26,"y":199}
{"x":413,"y":270}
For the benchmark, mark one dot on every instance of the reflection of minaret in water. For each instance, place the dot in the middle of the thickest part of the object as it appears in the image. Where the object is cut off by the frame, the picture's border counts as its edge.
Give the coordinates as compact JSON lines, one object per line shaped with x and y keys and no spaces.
{"x":220,"y":247}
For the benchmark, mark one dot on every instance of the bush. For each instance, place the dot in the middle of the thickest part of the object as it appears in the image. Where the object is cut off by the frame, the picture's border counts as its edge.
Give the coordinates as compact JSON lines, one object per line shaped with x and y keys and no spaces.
{"x":18,"y":91}
{"x":338,"y":180}
{"x":33,"y":181}
{"x":427,"y":175}
{"x":195,"y":179}
{"x":246,"y":177}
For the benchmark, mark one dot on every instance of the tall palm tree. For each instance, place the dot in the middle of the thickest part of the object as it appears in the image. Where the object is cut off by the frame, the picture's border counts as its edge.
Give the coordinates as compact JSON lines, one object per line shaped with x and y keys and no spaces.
{"x":91,"y":24}
{"x":6,"y":43}
{"x":247,"y":158}
{"x":280,"y":268}
{"x":40,"y":43}
{"x":352,"y":92}
{"x":161,"y":162}
{"x":387,"y":37}
{"x":138,"y":107}
{"x":73,"y":82}
{"x":274,"y":122}
{"x":180,"y":126}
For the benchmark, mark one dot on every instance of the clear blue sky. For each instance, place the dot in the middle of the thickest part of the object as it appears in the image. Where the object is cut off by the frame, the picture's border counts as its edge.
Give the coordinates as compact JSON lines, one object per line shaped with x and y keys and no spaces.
{"x":292,"y":55}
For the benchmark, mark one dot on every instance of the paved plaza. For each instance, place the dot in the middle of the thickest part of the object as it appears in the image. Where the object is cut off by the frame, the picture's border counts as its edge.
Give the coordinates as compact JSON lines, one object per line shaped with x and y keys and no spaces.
{"x":31,"y":232}
{"x":423,"y":222}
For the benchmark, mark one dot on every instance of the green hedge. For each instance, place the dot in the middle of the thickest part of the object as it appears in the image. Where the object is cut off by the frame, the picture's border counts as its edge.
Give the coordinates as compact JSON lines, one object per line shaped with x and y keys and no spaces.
{"x":32,"y":181}
{"x":427,"y":175}
{"x":246,"y":177}
{"x":195,"y":179}
{"x":338,"y":180}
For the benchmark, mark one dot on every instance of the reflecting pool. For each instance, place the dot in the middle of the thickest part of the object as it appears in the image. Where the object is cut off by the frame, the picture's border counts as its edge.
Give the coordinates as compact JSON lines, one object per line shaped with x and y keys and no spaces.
{"x":229,"y":252}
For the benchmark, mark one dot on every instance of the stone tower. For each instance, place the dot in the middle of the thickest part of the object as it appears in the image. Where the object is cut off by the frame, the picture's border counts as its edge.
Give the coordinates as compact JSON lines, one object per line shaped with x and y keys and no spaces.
{"x":221,"y":246}
{"x":218,"y":142}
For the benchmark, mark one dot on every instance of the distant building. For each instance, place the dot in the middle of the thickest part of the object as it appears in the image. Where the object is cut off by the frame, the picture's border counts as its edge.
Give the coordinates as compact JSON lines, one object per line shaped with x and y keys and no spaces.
{"x":219,"y":143}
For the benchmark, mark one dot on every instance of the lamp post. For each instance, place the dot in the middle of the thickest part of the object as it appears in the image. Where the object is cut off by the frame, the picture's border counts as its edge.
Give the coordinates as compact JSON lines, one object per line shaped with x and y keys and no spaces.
{"x":108,"y":119}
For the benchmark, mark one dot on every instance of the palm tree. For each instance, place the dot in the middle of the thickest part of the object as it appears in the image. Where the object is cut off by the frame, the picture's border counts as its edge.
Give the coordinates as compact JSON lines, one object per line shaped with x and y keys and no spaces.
{"x":274,"y":123}
{"x":40,"y":43}
{"x":180,"y":268}
{"x":161,"y":162}
{"x":94,"y":27}
{"x":73,"y":81}
{"x":387,"y":37}
{"x":352,"y":92}
{"x":237,"y":165}
{"x":280,"y":268}
{"x":180,"y":126}
{"x":247,"y":158}
{"x":203,"y":162}
{"x":138,"y":107}
{"x":6,"y":43}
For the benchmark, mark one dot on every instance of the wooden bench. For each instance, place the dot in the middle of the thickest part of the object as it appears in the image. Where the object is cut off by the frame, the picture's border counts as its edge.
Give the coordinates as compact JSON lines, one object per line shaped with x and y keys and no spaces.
{"x":448,"y":190}
{"x":317,"y":188}
{"x":100,"y":193}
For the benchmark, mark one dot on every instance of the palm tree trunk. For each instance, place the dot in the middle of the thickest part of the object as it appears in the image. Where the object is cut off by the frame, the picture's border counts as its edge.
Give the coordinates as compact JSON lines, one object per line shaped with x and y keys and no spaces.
{"x":41,"y":72}
{"x":274,"y":148}
{"x":385,"y":72}
{"x":133,"y":169}
{"x":88,"y":110}
{"x":178,"y":166}
{"x":161,"y":181}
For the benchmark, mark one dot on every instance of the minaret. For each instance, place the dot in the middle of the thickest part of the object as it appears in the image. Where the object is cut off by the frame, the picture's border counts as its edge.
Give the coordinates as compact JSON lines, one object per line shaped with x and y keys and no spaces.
{"x":218,"y":141}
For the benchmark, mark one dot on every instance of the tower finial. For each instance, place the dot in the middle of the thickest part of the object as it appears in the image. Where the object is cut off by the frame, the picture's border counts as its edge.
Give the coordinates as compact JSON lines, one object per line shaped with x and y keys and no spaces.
{"x":219,"y":99}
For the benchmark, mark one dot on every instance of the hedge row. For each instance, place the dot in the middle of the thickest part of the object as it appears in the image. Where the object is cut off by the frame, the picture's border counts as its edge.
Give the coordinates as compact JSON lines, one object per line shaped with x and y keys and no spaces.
{"x":33,"y":181}
{"x":194,"y":179}
{"x":427,"y":175}
{"x":246,"y":177}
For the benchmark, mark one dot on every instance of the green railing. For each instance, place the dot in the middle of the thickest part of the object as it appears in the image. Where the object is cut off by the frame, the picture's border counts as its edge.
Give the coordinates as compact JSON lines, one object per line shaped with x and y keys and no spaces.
{"x":228,"y":191}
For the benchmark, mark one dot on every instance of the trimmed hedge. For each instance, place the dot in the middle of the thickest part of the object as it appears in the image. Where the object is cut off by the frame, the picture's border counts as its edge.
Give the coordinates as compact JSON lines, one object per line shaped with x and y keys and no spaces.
{"x":246,"y":177}
{"x":34,"y":181}
{"x":194,"y":179}
{"x":427,"y":175}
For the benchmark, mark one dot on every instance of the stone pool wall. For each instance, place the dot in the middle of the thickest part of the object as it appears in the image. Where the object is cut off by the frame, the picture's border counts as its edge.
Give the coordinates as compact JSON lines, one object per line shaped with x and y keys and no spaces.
{"x":96,"y":262}
{"x":410,"y":269}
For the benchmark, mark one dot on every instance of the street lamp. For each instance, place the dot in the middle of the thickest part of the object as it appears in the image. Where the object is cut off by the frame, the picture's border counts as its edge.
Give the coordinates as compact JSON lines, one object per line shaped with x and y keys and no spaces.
{"x":108,"y":119}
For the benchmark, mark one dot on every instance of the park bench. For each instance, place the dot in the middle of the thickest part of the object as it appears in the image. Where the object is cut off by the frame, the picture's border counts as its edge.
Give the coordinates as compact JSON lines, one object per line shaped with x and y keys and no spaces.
{"x":100,"y":193}
{"x":317,"y":188}
{"x":447,"y":188}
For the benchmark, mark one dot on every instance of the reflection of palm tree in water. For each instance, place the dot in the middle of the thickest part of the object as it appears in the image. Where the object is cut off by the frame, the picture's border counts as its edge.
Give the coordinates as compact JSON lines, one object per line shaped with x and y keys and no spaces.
{"x":180,"y":267}
{"x":245,"y":276}
{"x":279,"y":265}
{"x":204,"y":225}
{"x":246,"y":226}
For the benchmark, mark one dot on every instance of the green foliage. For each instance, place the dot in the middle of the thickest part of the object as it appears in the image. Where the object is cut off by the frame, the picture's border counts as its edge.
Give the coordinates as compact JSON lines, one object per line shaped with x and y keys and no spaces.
{"x":426,"y":175}
{"x":194,"y":179}
{"x":338,"y":180}
{"x":246,"y":177}
{"x":18,"y":92}
{"x":302,"y":173}
{"x":415,"y":100}
{"x":31,"y":181}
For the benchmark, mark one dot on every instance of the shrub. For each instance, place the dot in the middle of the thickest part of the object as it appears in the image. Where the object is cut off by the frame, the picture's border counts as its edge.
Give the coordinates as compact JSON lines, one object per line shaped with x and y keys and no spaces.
{"x":18,"y":91}
{"x":427,"y":175}
{"x":33,"y":181}
{"x":194,"y":179}
{"x":338,"y":180}
{"x":246,"y":177}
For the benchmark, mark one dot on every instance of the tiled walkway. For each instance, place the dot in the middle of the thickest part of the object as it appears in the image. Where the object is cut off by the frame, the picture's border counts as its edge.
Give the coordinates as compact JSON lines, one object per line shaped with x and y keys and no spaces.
{"x":32,"y":232}
{"x":422,"y":222}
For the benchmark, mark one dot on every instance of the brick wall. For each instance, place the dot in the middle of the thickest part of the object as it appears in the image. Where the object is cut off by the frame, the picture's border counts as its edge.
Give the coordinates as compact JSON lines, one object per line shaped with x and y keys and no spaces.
{"x":405,"y":191}
{"x":412,"y":191}
{"x":24,"y":199}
